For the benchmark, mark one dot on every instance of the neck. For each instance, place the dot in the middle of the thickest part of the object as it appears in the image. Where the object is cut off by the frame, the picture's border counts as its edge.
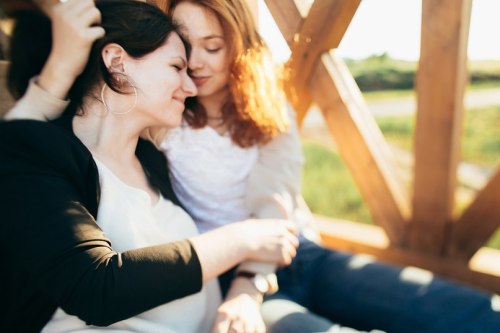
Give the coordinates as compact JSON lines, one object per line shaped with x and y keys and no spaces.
{"x":112,"y":138}
{"x":213,"y":104}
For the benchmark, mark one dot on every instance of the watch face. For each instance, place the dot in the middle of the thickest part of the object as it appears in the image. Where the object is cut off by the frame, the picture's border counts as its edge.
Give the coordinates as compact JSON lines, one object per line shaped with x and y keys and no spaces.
{"x":261,"y":284}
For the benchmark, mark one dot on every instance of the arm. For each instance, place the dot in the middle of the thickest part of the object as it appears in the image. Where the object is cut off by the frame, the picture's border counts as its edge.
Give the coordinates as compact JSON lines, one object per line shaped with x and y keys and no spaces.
{"x":37,"y":104}
{"x":46,"y":194}
{"x":274,"y":182}
{"x":74,"y":31}
{"x":54,"y":239}
{"x":274,"y":185}
{"x":240,"y":310}
{"x":273,"y":189}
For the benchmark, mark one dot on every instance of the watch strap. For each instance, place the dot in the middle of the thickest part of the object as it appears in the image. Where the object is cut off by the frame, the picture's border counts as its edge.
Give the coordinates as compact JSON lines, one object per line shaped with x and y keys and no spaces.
{"x":272,"y":283}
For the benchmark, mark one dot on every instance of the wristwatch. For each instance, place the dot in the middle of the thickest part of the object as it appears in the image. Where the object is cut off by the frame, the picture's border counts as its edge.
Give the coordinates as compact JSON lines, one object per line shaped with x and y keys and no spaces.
{"x":258,"y":280}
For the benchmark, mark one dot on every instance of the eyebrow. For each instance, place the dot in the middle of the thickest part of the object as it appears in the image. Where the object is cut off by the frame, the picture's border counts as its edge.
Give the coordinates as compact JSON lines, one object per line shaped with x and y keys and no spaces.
{"x":211,"y":37}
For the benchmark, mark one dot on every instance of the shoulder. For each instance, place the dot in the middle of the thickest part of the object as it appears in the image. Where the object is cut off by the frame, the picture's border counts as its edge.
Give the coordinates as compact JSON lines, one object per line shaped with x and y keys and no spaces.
{"x":20,"y":131}
{"x":37,"y":142}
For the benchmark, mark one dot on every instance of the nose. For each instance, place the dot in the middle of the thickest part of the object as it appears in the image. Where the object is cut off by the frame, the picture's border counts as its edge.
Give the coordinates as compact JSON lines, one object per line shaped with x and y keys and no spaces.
{"x":195,"y":60}
{"x":188,"y":86}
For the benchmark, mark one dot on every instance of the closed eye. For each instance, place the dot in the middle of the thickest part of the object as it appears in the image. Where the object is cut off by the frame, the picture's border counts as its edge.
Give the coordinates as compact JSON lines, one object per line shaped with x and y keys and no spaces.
{"x":179,"y":65}
{"x":214,"y":50}
{"x":178,"y":68}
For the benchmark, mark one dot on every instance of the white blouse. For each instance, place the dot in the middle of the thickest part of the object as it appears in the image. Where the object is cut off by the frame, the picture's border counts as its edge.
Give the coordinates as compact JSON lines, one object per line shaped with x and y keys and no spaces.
{"x":129,"y":218}
{"x":209,"y":174}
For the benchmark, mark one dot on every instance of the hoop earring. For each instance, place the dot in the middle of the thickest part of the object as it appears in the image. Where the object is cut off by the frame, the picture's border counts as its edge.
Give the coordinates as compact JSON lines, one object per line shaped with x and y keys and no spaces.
{"x":106,"y":106}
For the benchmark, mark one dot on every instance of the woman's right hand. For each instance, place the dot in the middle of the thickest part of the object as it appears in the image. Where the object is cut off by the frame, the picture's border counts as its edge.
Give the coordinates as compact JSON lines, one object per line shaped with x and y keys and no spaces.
{"x":266,"y":240}
{"x":270,"y":240}
{"x":74,"y":30}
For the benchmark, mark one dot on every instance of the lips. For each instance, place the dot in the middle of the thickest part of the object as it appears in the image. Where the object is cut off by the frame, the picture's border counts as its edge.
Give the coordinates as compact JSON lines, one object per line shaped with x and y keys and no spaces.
{"x":200,"y":80}
{"x":180,"y":100}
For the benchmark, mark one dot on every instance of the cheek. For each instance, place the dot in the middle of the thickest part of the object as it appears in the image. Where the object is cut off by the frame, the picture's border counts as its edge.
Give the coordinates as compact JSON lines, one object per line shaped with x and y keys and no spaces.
{"x":220,"y":62}
{"x":157,"y":88}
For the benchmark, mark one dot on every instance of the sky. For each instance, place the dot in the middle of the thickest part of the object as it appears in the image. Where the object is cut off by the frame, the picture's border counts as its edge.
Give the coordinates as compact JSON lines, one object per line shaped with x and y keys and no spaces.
{"x":393,"y":27}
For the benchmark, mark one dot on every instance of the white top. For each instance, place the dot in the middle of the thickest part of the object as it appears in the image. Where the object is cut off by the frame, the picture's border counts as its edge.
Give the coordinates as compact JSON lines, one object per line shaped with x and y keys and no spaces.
{"x":209,"y":174}
{"x":129,"y":218}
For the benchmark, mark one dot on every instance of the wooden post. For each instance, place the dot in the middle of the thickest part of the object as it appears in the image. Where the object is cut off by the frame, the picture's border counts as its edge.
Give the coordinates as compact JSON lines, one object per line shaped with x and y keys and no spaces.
{"x":478,"y":222}
{"x":361,"y":145}
{"x":440,"y":88}
{"x":6,"y":100}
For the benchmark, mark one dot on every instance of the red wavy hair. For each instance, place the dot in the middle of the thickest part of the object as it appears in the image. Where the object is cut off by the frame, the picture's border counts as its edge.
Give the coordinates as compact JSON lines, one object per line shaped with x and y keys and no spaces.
{"x":255,"y":110}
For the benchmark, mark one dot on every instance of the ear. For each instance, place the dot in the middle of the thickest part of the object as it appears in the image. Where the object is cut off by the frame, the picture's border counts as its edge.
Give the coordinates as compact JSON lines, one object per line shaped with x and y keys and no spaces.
{"x":113,"y":56}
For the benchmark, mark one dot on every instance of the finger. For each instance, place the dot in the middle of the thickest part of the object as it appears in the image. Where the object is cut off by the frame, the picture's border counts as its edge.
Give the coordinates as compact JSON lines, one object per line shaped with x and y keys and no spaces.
{"x":221,"y":325}
{"x":294,"y":241}
{"x":90,"y":17}
{"x":260,"y":327}
{"x":69,"y":8}
{"x":252,"y":326}
{"x":237,"y":326}
{"x":256,"y":326}
{"x":77,"y":8}
{"x":292,"y":227}
{"x":288,"y":253}
{"x":95,"y":33}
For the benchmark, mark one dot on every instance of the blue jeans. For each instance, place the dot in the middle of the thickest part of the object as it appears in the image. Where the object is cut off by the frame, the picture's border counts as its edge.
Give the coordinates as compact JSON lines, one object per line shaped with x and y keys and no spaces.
{"x":328,"y":291}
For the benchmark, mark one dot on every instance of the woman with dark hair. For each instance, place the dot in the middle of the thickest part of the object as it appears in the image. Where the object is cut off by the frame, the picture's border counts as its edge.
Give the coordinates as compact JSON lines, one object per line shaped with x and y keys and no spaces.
{"x":233,"y":157}
{"x":91,"y":226}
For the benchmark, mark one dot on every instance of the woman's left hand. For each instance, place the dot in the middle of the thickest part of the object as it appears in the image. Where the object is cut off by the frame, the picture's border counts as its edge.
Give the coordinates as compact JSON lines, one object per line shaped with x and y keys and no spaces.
{"x":240,"y":313}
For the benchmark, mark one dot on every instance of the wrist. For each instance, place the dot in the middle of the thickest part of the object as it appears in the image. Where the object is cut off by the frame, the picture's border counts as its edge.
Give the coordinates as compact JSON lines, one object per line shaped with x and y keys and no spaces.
{"x":264,"y":284}
{"x":243,"y":286}
{"x":55,"y":79}
{"x":239,"y":232}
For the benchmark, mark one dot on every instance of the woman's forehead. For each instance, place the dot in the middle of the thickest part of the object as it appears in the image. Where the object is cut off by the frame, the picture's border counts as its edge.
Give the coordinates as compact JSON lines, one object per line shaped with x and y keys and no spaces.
{"x":197,"y":21}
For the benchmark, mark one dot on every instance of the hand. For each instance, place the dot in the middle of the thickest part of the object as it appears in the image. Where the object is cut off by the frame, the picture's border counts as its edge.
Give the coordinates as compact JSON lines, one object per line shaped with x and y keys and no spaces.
{"x":239,"y":313}
{"x":271,"y":240}
{"x":74,"y":31}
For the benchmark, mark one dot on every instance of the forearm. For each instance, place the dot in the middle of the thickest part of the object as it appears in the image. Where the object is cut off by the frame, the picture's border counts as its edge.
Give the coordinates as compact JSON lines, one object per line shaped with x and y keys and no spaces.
{"x":55,"y":79}
{"x":37,"y":104}
{"x":220,"y":250}
{"x":275,"y":180}
{"x":134,"y":282}
{"x":243,"y":286}
{"x":48,"y":186}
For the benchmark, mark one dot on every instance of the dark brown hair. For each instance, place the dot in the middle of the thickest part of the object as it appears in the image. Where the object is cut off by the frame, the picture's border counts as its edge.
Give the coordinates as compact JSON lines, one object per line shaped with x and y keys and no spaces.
{"x":136,"y":26}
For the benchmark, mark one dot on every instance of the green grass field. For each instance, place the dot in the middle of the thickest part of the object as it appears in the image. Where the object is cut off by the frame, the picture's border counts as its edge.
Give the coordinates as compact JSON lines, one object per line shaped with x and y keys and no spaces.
{"x":382,"y":73}
{"x":480,"y":142}
{"x":329,"y":189}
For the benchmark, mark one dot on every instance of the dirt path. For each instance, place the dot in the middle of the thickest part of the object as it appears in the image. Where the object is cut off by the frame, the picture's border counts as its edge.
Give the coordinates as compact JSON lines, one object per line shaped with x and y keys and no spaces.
{"x":401,"y":106}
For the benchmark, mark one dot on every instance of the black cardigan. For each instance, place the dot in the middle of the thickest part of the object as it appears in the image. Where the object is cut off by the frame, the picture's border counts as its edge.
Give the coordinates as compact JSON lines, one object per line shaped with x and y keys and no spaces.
{"x":53,"y":252}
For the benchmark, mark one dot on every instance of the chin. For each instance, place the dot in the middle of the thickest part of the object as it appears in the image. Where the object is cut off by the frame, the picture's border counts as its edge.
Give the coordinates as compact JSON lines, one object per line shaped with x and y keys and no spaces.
{"x":204,"y":91}
{"x":172,"y":123}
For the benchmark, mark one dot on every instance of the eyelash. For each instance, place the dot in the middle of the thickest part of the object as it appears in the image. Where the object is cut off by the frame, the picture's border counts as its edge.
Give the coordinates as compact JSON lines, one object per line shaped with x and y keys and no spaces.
{"x":178,"y":67}
{"x":214,"y":50}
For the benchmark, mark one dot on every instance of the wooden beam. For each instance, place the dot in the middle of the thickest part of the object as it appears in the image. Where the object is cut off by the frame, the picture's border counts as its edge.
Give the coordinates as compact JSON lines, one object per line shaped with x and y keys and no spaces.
{"x":322,"y":30}
{"x":369,"y":239}
{"x":478,"y":222}
{"x":6,"y":100}
{"x":361,"y":145}
{"x":289,"y":17}
{"x":307,"y":39}
{"x":440,"y":87}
